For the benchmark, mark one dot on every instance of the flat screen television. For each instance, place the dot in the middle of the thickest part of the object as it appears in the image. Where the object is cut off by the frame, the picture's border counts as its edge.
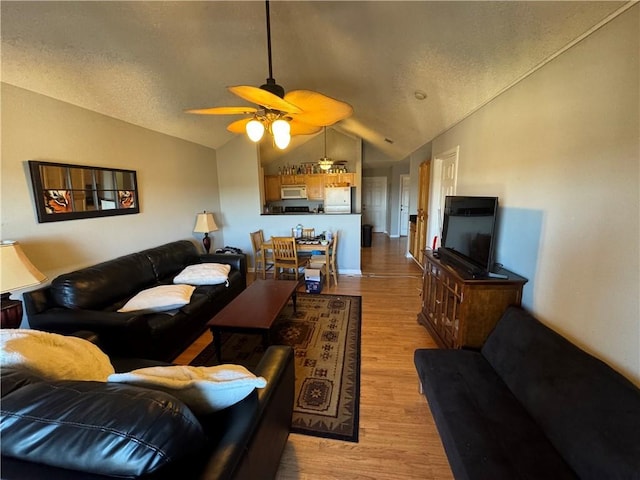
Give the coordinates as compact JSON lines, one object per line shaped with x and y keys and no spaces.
{"x":468,"y":233}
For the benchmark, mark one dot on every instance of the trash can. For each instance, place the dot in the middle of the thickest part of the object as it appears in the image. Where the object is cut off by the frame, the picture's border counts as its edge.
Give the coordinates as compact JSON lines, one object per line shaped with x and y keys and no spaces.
{"x":366,"y":235}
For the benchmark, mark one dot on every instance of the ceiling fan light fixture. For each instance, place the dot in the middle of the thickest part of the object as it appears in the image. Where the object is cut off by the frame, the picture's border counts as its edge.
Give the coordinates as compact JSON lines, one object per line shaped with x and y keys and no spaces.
{"x":281,"y":131}
{"x":325,"y":163}
{"x":255,"y":130}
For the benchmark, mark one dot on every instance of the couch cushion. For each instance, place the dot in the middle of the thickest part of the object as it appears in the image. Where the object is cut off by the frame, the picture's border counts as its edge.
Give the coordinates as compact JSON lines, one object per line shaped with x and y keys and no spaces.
{"x":204,"y":274}
{"x":202,"y":389}
{"x":160,"y":298}
{"x":589,"y":412}
{"x":485,"y":431}
{"x":96,"y":287}
{"x":108,"y":429}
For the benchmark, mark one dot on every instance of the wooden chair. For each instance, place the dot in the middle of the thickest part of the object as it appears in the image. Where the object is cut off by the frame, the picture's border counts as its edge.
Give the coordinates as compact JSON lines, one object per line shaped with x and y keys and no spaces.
{"x":331,"y":269}
{"x":306,"y":232}
{"x":285,"y":258}
{"x":263,"y":260}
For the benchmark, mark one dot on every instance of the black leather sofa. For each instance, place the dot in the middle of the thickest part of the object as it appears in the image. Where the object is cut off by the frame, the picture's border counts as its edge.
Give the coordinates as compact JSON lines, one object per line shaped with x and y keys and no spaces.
{"x":73,"y":430}
{"x":88,"y":299}
{"x":531,"y":405}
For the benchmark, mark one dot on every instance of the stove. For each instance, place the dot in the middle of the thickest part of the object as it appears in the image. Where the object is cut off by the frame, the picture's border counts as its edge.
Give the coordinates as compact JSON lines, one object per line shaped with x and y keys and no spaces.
{"x":297,"y":210}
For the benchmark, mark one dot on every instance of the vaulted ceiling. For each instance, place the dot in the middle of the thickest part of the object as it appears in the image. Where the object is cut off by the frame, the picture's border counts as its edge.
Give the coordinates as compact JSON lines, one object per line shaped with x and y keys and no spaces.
{"x":146,"y":62}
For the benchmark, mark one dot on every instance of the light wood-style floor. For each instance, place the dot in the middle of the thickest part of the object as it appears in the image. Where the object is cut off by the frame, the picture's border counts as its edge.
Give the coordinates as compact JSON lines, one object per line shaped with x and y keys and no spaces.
{"x":398,"y":439}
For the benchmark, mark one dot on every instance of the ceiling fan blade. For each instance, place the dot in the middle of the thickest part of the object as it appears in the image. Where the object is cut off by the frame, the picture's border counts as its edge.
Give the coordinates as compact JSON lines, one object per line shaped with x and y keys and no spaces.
{"x":301,"y":128}
{"x":224,"y":111}
{"x":239,"y":126}
{"x":317,"y":108}
{"x":262,"y":97}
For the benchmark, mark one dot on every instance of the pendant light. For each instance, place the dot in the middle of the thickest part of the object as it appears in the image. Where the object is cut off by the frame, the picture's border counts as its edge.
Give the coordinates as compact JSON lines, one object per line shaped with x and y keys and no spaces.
{"x":325,"y":163}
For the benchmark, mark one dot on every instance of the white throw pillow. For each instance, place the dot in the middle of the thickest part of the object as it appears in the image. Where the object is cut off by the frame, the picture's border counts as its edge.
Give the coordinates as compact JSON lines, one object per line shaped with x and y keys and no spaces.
{"x":202,"y":389}
{"x":54,"y":356}
{"x":159,"y":299}
{"x":204,"y":274}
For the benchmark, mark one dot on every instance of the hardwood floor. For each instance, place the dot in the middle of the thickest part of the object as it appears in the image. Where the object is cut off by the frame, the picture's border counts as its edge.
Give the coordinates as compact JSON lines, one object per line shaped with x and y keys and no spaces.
{"x":398,"y":438}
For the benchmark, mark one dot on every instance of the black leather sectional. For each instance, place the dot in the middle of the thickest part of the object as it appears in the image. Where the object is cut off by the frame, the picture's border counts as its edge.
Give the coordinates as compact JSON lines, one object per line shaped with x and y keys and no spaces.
{"x":88,"y":299}
{"x":73,"y":430}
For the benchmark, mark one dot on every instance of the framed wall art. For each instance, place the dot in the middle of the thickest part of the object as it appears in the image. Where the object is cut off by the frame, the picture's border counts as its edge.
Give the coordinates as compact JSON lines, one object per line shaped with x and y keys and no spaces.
{"x":70,"y":192}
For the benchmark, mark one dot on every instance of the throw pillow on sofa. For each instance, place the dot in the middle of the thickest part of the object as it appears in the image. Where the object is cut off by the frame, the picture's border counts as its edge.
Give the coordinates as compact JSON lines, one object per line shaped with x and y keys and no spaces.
{"x":204,"y":274}
{"x":54,"y":356}
{"x":159,"y":299}
{"x":203,"y":389}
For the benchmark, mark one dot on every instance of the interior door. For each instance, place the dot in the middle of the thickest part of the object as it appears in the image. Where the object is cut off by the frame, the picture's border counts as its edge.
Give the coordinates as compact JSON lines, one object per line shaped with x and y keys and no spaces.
{"x":374,"y":202}
{"x":404,"y":205}
{"x":423,"y":211}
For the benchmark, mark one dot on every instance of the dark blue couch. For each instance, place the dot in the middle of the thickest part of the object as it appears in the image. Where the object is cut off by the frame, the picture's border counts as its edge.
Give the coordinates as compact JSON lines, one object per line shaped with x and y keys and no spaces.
{"x":531,"y":405}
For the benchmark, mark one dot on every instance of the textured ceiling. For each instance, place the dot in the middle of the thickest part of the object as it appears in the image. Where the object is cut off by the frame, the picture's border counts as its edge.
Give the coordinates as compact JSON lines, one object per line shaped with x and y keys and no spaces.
{"x":146,"y":62}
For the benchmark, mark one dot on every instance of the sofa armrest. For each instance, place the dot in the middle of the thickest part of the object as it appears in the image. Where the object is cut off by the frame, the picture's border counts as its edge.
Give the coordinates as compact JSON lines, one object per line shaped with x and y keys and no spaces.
{"x":119,"y":334}
{"x":238,"y":261}
{"x":261,"y":423}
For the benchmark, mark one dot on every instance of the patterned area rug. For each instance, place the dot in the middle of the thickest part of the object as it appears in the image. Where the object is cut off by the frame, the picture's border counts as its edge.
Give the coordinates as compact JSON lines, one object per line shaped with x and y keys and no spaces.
{"x":325,"y":333}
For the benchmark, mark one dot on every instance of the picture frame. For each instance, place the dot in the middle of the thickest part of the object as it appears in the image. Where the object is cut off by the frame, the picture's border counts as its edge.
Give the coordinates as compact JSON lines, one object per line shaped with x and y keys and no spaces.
{"x":64,"y":191}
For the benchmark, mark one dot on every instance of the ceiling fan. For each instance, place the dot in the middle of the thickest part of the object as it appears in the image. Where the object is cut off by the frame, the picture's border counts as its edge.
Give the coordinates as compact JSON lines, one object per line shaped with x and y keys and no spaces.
{"x":299,"y":112}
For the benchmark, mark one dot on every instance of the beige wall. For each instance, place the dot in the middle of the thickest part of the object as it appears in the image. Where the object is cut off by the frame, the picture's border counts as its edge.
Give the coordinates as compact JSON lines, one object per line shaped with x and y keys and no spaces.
{"x":176,"y":179}
{"x":561,"y":151}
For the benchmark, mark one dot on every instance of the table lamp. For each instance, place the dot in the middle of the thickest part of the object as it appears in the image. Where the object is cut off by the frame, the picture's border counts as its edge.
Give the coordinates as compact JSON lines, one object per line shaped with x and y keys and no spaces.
{"x":205,"y":224}
{"x":16,"y":271}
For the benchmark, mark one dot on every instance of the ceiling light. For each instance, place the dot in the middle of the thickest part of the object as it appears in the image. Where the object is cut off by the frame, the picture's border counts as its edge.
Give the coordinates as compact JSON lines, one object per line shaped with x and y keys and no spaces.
{"x":255,"y":130}
{"x":281,"y":131}
{"x":420,"y":95}
{"x":325,"y":163}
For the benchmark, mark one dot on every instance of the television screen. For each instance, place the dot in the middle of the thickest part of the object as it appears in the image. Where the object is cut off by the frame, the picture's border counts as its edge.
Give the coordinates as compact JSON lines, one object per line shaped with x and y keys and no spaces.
{"x":468,"y":231}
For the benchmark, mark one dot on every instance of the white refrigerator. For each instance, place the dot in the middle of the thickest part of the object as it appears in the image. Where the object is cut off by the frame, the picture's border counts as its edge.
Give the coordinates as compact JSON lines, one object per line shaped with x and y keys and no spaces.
{"x":338,"y":199}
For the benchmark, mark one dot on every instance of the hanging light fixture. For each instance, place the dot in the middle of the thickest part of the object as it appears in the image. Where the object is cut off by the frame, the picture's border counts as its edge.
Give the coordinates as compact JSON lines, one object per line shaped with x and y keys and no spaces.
{"x":325,"y":163}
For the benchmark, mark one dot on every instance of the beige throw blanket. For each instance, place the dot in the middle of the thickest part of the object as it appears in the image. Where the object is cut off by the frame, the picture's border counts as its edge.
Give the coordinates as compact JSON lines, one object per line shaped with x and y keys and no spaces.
{"x":53,"y":356}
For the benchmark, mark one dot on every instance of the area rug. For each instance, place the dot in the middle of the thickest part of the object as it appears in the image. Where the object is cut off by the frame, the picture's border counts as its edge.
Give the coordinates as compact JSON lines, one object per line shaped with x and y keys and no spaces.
{"x":325,"y":334}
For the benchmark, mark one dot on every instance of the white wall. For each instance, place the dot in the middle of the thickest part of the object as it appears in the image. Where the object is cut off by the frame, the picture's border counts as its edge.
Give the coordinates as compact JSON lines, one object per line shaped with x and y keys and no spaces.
{"x":176,"y":180}
{"x":239,"y":174}
{"x":560,"y":149}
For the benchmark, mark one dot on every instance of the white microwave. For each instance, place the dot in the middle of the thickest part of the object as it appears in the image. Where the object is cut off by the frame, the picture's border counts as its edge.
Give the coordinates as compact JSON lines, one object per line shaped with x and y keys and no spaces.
{"x":288,"y":192}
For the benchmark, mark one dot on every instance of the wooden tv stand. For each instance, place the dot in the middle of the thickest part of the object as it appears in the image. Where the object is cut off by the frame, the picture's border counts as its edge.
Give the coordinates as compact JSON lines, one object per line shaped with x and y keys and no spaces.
{"x":459,"y":311}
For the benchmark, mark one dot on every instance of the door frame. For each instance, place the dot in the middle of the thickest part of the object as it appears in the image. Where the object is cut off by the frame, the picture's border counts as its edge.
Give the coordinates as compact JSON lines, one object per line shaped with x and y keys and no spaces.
{"x":436,"y":201}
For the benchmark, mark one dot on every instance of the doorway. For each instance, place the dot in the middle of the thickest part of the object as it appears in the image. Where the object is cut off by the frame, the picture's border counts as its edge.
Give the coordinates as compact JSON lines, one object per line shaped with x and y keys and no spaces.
{"x":403,"y":229}
{"x":445,"y":178}
{"x":374,"y":202}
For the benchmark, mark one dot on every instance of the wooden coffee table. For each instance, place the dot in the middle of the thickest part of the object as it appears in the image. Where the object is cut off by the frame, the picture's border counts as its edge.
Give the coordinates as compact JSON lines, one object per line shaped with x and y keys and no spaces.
{"x":253,"y":311}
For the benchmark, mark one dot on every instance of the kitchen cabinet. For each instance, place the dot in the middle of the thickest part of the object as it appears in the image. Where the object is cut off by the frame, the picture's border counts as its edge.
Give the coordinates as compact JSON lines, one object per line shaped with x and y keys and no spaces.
{"x":339,"y":179}
{"x":297,"y":179}
{"x":315,"y":186}
{"x":272,"y":188}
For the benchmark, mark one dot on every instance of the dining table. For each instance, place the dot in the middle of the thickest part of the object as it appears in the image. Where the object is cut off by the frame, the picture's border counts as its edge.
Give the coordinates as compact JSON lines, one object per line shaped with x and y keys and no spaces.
{"x":309,"y":244}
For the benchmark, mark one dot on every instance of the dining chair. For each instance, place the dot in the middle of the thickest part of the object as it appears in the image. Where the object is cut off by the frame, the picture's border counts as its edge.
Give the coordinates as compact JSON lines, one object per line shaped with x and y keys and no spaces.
{"x":331,"y":269}
{"x":263,"y":259}
{"x":306,"y":232}
{"x":285,"y":258}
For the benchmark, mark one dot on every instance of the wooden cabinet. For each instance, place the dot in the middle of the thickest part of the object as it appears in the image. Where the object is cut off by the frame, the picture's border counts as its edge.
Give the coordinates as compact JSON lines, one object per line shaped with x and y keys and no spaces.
{"x":339,"y":178}
{"x":272,"y":188}
{"x":315,"y":186}
{"x":297,"y":179}
{"x":315,"y":183}
{"x":460,"y":311}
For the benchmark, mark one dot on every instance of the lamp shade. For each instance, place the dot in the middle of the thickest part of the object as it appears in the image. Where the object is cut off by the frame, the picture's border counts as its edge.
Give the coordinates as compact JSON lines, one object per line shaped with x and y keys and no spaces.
{"x":16,"y":271}
{"x":205,"y":223}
